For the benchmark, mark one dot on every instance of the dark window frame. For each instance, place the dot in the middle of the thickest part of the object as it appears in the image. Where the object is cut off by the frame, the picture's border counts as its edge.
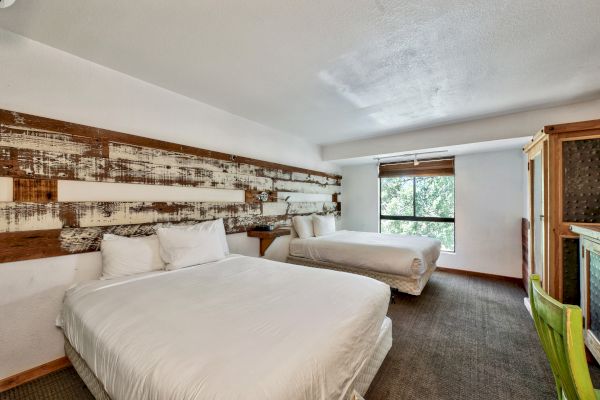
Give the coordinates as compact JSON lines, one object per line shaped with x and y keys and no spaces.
{"x":414,"y":216}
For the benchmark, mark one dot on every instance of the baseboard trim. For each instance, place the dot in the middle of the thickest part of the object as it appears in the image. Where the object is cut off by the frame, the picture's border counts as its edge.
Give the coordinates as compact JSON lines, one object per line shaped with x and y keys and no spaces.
{"x":33,"y":373}
{"x":518,"y":281}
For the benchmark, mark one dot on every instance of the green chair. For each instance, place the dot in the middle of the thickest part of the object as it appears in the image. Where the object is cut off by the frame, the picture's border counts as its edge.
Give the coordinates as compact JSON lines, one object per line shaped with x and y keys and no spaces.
{"x":560,"y":328}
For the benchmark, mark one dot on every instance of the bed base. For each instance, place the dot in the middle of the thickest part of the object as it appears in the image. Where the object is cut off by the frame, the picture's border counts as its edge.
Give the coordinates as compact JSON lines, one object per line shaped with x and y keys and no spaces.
{"x":87,"y":376}
{"x":361,"y":383}
{"x":405,"y":284}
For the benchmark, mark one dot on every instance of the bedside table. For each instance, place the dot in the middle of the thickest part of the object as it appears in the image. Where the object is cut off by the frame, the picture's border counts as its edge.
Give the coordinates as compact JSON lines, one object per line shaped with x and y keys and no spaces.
{"x":267,"y":237}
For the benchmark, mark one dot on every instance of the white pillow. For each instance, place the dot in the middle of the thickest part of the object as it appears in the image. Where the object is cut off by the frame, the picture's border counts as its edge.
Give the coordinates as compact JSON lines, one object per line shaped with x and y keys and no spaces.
{"x":122,"y":256}
{"x":181,"y":248}
{"x":323,"y":224}
{"x":303,"y":226}
{"x":217,"y":226}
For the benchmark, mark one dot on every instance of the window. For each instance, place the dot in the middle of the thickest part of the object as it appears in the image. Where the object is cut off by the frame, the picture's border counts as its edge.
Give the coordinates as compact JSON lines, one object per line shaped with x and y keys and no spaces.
{"x":418,"y":200}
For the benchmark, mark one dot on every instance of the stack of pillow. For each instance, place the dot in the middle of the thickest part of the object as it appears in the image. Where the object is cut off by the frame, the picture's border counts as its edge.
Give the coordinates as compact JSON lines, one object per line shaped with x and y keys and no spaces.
{"x":307,"y":226}
{"x":171,"y":248}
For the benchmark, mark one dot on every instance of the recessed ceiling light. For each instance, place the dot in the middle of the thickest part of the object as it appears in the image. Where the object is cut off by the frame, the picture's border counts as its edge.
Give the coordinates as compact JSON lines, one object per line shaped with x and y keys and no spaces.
{"x":6,"y":3}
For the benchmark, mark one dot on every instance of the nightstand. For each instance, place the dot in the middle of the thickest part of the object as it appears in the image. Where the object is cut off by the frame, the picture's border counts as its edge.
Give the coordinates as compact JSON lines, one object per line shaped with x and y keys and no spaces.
{"x":267,"y":237}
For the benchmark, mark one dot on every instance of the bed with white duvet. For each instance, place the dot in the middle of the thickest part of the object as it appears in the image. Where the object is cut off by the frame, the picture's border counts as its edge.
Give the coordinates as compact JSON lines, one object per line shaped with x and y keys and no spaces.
{"x":238,"y":328}
{"x":403,"y":262}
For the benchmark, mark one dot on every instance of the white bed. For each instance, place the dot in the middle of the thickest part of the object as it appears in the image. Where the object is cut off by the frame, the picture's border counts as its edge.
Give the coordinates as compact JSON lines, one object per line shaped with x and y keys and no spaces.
{"x":239,"y":328}
{"x":404,"y":262}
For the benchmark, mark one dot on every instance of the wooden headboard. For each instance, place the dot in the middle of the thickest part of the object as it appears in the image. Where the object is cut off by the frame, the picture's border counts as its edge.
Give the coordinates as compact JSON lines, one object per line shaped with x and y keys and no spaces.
{"x":40,"y":156}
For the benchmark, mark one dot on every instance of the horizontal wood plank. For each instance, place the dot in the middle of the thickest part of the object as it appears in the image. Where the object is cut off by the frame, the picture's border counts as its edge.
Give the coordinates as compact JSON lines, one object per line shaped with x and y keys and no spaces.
{"x":22,"y":120}
{"x":35,"y":190}
{"x":39,"y":154}
{"x":17,"y":216}
{"x":304,"y":187}
{"x":252,"y":196}
{"x":31,"y":245}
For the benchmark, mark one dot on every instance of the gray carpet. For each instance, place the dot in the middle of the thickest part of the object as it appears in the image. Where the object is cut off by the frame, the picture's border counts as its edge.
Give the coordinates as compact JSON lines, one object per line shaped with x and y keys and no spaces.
{"x":463,"y":338}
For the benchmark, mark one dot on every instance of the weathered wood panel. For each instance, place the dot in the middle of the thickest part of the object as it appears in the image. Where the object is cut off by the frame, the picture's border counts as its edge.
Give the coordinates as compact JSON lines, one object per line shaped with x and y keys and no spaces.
{"x":16,"y":217}
{"x":40,"y":140}
{"x":36,"y":152}
{"x":281,"y":208}
{"x":305,"y":187}
{"x":29,"y":245}
{"x":40,"y":154}
{"x":32,"y":122}
{"x":35,"y":190}
{"x":252,"y":196}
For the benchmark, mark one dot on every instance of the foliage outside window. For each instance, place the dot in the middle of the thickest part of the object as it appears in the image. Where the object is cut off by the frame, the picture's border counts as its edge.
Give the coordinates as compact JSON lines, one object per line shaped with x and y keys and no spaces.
{"x":419,"y":205}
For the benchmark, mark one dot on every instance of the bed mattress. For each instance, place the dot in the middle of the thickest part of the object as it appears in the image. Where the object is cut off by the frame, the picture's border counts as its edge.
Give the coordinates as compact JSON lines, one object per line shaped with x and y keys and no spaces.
{"x":238,"y":328}
{"x":409,"y":256}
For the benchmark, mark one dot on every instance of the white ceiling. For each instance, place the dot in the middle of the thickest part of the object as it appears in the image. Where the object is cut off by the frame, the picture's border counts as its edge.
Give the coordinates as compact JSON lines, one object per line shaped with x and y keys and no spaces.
{"x":337,"y":70}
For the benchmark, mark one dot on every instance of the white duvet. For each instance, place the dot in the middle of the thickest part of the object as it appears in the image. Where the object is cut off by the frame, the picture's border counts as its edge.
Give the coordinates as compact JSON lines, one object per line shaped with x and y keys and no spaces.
{"x":240,"y":328}
{"x":394,"y":254}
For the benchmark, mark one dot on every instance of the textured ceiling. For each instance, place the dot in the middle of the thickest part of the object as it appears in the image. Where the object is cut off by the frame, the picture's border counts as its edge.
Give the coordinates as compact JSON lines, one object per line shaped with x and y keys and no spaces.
{"x":337,"y":70}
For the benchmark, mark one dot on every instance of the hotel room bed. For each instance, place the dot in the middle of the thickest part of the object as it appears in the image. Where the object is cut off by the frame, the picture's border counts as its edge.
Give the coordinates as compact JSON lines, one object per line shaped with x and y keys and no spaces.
{"x":240,"y":328}
{"x":403,"y":262}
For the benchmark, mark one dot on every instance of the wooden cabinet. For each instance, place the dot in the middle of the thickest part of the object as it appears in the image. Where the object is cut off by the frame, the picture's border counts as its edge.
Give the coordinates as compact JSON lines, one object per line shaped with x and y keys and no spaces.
{"x":589,"y":256}
{"x":564,"y":188}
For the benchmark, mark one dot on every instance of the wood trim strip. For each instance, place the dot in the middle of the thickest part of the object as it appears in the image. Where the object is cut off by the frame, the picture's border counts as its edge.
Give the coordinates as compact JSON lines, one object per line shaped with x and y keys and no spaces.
{"x":103,"y":136}
{"x":525,"y":227}
{"x":33,"y":373}
{"x":579,"y":126}
{"x":516,"y":281}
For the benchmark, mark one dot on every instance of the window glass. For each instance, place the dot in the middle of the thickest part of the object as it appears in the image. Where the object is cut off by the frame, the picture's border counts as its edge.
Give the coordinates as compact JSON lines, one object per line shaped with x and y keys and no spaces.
{"x":421,"y":206}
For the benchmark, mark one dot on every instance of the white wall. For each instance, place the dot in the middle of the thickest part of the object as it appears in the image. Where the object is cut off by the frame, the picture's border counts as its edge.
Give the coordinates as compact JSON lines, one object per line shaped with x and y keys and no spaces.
{"x":489,"y":207}
{"x":40,"y":80}
{"x":361,"y":188}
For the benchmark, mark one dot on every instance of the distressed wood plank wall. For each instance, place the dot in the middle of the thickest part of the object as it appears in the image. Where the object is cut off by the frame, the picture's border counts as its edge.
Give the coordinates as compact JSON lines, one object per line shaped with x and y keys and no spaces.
{"x":37,"y":152}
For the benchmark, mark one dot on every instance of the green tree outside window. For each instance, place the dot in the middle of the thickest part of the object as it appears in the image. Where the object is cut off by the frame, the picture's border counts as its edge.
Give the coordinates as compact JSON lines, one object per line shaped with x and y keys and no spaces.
{"x":421,"y":206}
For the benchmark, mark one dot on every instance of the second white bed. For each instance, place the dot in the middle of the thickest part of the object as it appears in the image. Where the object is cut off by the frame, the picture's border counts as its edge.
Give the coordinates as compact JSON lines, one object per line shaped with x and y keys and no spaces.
{"x":409,"y":256}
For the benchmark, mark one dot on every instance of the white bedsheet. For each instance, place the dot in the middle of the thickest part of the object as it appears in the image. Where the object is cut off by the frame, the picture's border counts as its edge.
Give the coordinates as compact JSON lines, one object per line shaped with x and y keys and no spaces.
{"x":239,"y":328}
{"x":394,"y":254}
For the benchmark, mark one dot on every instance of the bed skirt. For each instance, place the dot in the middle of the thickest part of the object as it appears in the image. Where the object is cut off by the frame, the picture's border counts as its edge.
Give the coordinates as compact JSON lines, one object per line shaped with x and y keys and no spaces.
{"x":87,"y":376}
{"x":361,"y":383}
{"x":405,"y":284}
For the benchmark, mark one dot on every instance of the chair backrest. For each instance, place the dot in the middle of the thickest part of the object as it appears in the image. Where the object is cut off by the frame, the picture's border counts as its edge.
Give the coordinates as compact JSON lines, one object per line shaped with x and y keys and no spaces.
{"x":560,"y":328}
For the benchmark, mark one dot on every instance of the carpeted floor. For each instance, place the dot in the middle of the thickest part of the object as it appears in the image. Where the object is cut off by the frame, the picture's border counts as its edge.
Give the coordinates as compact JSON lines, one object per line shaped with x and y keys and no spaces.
{"x":463,"y":338}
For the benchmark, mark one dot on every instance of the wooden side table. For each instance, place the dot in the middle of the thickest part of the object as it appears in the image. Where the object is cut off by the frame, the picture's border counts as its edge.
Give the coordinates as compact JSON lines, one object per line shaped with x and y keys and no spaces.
{"x":267,"y":237}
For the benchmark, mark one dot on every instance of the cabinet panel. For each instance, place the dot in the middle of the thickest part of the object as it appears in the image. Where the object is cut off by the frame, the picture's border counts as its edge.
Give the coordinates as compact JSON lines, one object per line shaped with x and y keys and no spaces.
{"x":581,"y":180}
{"x":571,"y":282}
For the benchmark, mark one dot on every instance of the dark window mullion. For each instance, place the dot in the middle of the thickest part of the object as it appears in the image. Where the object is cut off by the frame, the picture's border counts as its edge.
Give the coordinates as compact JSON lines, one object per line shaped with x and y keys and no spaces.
{"x":414,"y":196}
{"x":411,"y":218}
